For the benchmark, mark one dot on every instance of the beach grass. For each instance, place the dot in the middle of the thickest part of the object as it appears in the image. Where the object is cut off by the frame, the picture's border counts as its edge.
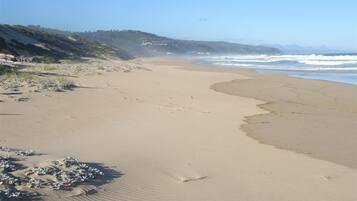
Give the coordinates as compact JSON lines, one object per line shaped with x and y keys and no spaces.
{"x":12,"y":78}
{"x":57,"y":84}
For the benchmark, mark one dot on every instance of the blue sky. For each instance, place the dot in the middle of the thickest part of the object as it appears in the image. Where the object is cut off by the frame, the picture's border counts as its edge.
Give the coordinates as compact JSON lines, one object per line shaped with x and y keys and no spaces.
{"x":303,"y":22}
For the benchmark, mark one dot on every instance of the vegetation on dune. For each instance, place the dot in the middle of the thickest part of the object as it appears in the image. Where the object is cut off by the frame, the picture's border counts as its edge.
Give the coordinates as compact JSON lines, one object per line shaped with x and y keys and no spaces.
{"x":3,"y":47}
{"x":12,"y":78}
{"x":57,"y":84}
{"x":45,"y":47}
{"x":6,"y":69}
{"x":20,"y":76}
{"x":44,"y":59}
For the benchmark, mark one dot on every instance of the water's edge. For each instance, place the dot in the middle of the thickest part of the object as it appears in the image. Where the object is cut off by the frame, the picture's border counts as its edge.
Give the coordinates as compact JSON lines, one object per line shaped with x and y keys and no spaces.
{"x":341,"y":74}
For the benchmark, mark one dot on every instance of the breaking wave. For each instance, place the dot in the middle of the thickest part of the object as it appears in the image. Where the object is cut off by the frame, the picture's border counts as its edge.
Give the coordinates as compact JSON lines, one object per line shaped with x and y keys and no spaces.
{"x":336,"y":68}
{"x":288,"y":62}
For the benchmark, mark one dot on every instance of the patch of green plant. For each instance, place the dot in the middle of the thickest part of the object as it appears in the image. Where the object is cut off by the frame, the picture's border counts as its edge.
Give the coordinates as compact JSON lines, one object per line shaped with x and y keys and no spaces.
{"x":20,"y":76}
{"x":6,"y":69}
{"x":49,"y":68}
{"x":75,"y":60}
{"x":57,"y":84}
{"x":44,"y":59}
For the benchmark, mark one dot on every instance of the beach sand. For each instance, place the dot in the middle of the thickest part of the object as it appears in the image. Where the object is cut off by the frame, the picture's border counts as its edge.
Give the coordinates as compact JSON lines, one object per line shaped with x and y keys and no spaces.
{"x":166,"y":135}
{"x":313,"y":117}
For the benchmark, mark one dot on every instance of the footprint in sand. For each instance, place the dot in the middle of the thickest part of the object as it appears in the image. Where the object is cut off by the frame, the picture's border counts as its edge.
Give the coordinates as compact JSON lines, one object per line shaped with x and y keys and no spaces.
{"x":82,"y":190}
{"x":327,"y":177}
{"x":206,"y":112}
{"x":139,"y":100}
{"x":71,"y":117}
{"x":185,"y":178}
{"x":191,"y":179}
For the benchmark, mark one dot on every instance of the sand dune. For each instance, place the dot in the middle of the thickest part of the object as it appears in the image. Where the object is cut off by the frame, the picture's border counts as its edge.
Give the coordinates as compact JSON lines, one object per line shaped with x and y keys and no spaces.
{"x":170,"y":137}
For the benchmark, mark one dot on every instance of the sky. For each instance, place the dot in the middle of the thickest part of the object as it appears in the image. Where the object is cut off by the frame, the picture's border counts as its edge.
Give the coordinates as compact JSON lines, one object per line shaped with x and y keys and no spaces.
{"x":331,"y":23}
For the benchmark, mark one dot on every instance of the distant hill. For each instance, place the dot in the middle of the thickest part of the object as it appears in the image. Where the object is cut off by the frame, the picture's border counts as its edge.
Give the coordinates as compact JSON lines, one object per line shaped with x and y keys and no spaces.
{"x":52,"y":44}
{"x":145,"y":44}
{"x":34,"y":42}
{"x":49,"y":30}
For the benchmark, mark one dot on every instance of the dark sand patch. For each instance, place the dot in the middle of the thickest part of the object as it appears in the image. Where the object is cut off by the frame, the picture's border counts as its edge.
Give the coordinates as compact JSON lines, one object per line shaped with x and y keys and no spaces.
{"x":316,"y":118}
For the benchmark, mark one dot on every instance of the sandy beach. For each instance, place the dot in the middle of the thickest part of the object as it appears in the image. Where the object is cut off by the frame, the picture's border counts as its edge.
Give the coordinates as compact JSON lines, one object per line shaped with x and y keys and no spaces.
{"x":313,"y":117}
{"x":180,"y":131}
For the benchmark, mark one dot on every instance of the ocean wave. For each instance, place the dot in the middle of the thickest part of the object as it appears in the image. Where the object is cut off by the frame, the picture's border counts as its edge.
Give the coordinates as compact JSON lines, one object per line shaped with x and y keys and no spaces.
{"x":318,"y":60}
{"x":327,"y":62}
{"x":345,"y":69}
{"x":232,"y":64}
{"x":289,"y":68}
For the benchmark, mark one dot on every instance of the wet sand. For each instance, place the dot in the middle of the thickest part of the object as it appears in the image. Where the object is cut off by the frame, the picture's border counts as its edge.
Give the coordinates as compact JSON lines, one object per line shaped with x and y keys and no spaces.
{"x":313,"y":117}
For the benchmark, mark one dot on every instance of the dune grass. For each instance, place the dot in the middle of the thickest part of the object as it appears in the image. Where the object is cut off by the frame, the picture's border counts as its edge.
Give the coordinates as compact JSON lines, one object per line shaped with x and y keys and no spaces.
{"x":11,"y":78}
{"x":20,"y":76}
{"x":56,"y":84}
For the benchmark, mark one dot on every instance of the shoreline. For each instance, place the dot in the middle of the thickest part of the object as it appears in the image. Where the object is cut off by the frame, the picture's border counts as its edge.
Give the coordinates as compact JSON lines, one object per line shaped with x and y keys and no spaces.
{"x":277,"y":105}
{"x":171,"y":137}
{"x":312,"y":75}
{"x":260,"y":126}
{"x":280,"y":108}
{"x":289,"y":73}
{"x":313,"y":67}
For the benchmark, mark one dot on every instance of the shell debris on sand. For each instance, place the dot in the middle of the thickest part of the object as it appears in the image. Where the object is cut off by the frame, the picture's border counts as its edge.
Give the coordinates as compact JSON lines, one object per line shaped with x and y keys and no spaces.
{"x":64,"y":173}
{"x":18,"y":152}
{"x":11,"y":193}
{"x":17,"y":181}
{"x":6,"y":164}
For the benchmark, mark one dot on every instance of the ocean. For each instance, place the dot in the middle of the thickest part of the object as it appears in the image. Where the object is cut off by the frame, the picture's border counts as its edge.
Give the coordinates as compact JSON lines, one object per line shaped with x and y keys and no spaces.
{"x":332,"y":67}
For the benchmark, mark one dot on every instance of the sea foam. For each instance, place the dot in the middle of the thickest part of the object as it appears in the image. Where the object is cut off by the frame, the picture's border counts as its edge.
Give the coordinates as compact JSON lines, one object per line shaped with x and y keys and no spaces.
{"x":298,"y":62}
{"x":340,"y":68}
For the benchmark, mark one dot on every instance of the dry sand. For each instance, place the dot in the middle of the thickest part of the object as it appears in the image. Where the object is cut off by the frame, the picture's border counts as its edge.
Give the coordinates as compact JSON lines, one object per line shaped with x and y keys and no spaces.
{"x":172,"y":138}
